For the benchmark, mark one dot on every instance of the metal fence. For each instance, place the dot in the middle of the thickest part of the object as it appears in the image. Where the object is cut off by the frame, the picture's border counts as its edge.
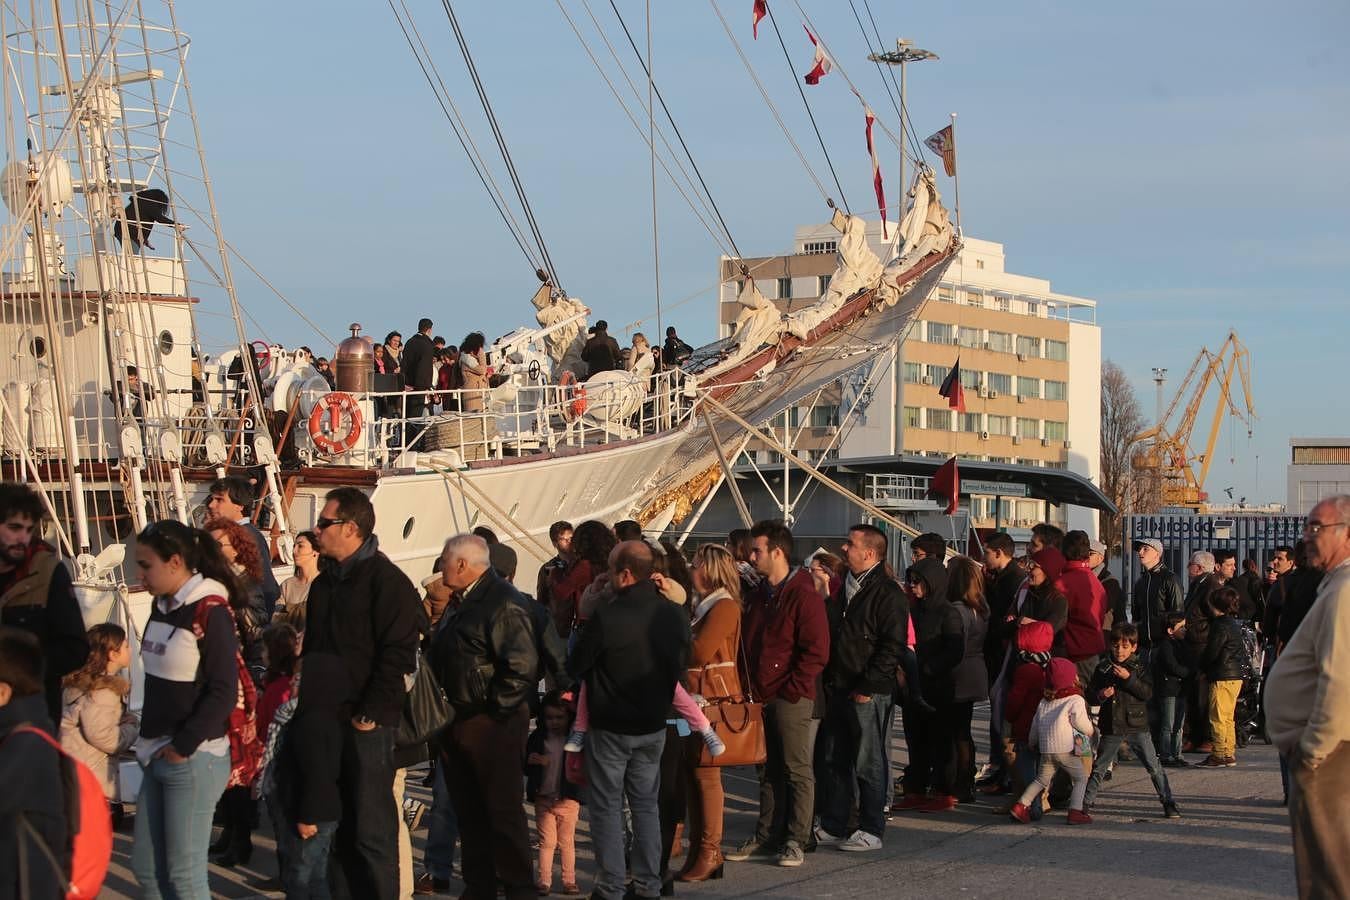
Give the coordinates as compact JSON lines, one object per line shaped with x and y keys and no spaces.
{"x":1249,"y":536}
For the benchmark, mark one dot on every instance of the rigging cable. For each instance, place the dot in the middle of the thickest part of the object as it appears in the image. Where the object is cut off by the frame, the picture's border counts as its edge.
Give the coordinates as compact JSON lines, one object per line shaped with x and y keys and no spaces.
{"x":811,"y":173}
{"x":720,"y":240}
{"x":465,"y":142}
{"x":792,"y":69}
{"x":650,"y":67}
{"x":669,"y":117}
{"x":501,"y":142}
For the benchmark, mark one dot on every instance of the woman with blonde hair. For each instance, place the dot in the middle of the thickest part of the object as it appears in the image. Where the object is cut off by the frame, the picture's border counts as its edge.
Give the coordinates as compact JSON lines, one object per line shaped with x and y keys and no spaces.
{"x":713,"y":674}
{"x":640,"y":360}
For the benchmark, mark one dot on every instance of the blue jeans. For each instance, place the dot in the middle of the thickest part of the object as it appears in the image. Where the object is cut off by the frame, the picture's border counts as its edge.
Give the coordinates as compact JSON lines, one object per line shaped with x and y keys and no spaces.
{"x":1141,"y":742}
{"x":173,"y":825}
{"x":442,"y":828}
{"x":621,"y":766}
{"x":1172,"y":712}
{"x":305,"y":873}
{"x":853,"y":746}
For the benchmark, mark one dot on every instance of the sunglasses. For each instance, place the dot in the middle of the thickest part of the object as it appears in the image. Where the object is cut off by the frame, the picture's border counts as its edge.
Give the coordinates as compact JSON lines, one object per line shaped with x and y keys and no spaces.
{"x":324,"y":522}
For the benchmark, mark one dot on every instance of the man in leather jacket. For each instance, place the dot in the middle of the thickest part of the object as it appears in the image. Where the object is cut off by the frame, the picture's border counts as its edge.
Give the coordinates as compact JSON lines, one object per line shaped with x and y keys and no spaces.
{"x":1156,"y":593}
{"x":486,"y":659}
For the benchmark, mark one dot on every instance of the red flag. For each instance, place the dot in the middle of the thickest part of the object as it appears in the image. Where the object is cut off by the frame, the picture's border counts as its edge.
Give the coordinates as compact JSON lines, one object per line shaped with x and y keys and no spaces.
{"x":822,"y":62}
{"x":761,"y":10}
{"x":943,"y":143}
{"x":946,"y":482}
{"x":952,"y":390}
{"x":876,"y":169}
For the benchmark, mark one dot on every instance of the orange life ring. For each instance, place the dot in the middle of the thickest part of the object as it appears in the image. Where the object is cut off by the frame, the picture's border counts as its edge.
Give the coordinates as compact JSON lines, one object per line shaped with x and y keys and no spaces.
{"x":574,"y":396}
{"x":333,"y":406}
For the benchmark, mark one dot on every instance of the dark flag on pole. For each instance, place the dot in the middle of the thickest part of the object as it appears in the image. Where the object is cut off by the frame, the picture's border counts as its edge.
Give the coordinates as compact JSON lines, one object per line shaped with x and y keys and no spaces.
{"x":951,"y":388}
{"x":947,"y":483}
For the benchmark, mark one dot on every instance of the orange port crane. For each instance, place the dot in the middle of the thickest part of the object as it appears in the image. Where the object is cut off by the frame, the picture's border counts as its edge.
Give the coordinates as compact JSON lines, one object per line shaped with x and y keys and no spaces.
{"x":1167,"y":454}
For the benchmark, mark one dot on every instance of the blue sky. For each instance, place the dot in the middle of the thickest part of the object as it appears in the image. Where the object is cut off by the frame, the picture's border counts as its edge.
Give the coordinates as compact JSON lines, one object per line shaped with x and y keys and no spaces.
{"x":1183,"y":164}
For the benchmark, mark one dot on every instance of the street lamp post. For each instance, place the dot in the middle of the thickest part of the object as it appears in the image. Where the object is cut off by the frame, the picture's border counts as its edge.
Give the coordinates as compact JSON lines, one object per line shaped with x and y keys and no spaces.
{"x":904,"y":52}
{"x":1159,"y":376}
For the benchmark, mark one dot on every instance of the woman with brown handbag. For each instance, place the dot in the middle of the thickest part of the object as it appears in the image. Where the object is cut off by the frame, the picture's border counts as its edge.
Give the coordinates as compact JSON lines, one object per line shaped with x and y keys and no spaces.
{"x":713,"y":668}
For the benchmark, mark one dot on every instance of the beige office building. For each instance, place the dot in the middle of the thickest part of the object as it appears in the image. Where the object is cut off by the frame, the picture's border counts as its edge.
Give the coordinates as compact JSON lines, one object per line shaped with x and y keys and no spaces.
{"x":1030,"y":367}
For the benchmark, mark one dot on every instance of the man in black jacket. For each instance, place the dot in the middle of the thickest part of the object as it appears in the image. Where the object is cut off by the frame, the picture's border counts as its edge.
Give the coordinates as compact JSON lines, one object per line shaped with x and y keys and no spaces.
{"x":1199,"y":609}
{"x":1156,"y":593}
{"x":365,"y":612}
{"x":418,"y":355}
{"x":601,"y":352}
{"x":1003,"y":578}
{"x":631,"y":653}
{"x":547,"y":642}
{"x":869,"y":620}
{"x":487,"y":662}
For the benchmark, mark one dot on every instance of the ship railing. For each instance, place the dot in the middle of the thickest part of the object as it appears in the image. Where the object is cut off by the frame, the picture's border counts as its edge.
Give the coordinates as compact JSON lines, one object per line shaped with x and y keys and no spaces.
{"x":513,"y":421}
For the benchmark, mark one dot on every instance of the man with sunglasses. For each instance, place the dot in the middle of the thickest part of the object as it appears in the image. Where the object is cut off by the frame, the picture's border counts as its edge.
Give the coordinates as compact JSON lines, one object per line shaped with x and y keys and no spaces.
{"x":365,"y":616}
{"x":1308,"y":710}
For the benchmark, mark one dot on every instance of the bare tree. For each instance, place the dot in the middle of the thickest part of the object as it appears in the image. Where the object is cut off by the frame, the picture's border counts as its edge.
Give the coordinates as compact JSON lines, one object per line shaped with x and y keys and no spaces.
{"x":1122,"y":420}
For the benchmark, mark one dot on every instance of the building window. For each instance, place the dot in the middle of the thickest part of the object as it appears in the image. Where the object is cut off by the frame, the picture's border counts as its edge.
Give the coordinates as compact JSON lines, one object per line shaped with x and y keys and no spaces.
{"x":1029,"y":387}
{"x":1000,"y":426}
{"x":1030,"y":347}
{"x":1056,"y":390}
{"x":1029,"y":428}
{"x":1003,"y":304}
{"x":824,"y":416}
{"x":913,"y":373}
{"x":970,"y":422}
{"x":1033,"y":308}
{"x":1056,"y":464}
{"x":820,"y":247}
{"x":912,"y":417}
{"x":941,"y":333}
{"x":937,"y":374}
{"x":1000,"y":342}
{"x":940,"y":419}
{"x":1055,"y":431}
{"x":794,"y":416}
{"x":970,"y":379}
{"x":1056,"y":350}
{"x":970,"y":337}
{"x":998,"y":381}
{"x":945,"y":294}
{"x":999,"y":459}
{"x":822,"y":284}
{"x":979,"y":264}
{"x":975,"y":299}
{"x":785,"y":289}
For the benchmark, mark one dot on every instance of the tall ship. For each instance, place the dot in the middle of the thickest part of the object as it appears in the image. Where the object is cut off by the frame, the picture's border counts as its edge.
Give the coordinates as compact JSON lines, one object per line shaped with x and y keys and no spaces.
{"x":115,"y":261}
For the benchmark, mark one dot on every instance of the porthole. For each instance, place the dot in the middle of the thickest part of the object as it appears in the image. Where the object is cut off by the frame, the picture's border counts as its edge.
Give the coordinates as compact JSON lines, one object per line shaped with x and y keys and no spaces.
{"x":408,"y":527}
{"x":165,"y":342}
{"x":38,"y":347}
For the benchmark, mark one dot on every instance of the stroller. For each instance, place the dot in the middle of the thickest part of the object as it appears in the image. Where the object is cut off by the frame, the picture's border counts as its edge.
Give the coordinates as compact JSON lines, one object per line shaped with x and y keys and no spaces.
{"x":1248,"y":718}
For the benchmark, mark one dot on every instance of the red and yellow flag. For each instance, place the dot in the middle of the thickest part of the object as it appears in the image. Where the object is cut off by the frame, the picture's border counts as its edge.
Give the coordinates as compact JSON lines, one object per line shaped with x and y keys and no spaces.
{"x":943,"y":143}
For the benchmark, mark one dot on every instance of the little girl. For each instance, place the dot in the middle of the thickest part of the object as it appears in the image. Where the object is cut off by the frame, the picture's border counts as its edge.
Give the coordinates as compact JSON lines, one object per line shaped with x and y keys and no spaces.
{"x":95,"y":725}
{"x":556,"y":798}
{"x":684,"y":704}
{"x":1061,"y":721}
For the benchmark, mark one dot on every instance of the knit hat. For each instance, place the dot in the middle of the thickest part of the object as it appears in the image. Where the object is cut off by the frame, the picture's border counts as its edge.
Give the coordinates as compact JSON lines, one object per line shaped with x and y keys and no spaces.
{"x":1035,"y":637}
{"x":1050,"y":560}
{"x":1063,"y":674}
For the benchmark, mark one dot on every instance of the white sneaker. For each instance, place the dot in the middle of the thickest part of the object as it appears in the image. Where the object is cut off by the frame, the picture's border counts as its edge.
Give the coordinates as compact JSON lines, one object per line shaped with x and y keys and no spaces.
{"x":575,"y":742}
{"x":861,"y":841}
{"x":715,"y":746}
{"x":825,"y":839}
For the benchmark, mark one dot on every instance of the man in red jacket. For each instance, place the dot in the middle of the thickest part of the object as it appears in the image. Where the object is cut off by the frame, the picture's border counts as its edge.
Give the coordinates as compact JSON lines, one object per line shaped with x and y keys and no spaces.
{"x":787,"y":643}
{"x":1081,"y":639}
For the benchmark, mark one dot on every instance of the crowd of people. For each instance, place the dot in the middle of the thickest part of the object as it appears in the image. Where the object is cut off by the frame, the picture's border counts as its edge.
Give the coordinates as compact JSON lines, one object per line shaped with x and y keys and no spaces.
{"x":440,"y":377}
{"x":608,"y":693}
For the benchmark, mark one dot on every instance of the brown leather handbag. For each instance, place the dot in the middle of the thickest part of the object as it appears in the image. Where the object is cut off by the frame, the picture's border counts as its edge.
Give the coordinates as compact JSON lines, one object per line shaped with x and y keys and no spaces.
{"x":738,"y":721}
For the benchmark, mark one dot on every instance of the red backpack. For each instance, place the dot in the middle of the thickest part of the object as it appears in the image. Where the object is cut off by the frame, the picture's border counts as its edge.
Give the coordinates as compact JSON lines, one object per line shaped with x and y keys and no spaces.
{"x":88,"y":823}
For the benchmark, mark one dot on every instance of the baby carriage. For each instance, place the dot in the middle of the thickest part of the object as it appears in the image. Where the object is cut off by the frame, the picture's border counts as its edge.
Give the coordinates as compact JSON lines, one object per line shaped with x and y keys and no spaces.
{"x":1247,"y":717}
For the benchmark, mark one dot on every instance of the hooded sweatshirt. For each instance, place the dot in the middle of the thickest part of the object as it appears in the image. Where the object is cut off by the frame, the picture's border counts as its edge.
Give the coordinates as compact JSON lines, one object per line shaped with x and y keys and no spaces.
{"x":190,"y":686}
{"x":938,"y":640}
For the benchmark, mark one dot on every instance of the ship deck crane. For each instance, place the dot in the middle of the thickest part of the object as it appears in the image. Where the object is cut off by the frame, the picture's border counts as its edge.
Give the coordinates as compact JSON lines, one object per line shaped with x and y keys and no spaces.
{"x":1167,"y":452}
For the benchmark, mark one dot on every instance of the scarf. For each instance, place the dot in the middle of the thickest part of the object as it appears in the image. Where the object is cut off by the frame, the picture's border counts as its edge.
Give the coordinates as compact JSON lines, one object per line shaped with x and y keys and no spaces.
{"x":853,"y":583}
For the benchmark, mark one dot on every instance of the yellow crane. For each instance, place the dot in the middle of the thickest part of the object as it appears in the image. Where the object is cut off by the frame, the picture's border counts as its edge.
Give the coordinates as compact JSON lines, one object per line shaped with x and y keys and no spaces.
{"x":1167,"y":453}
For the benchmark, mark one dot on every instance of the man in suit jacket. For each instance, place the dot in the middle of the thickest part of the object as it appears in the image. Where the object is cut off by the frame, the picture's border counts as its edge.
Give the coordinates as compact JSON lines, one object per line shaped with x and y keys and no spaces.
{"x":418,"y":355}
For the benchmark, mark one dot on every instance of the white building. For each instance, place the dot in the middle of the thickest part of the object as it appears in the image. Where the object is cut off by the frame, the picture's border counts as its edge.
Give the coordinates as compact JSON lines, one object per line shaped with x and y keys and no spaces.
{"x":1030,"y":365}
{"x":1318,"y":468}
